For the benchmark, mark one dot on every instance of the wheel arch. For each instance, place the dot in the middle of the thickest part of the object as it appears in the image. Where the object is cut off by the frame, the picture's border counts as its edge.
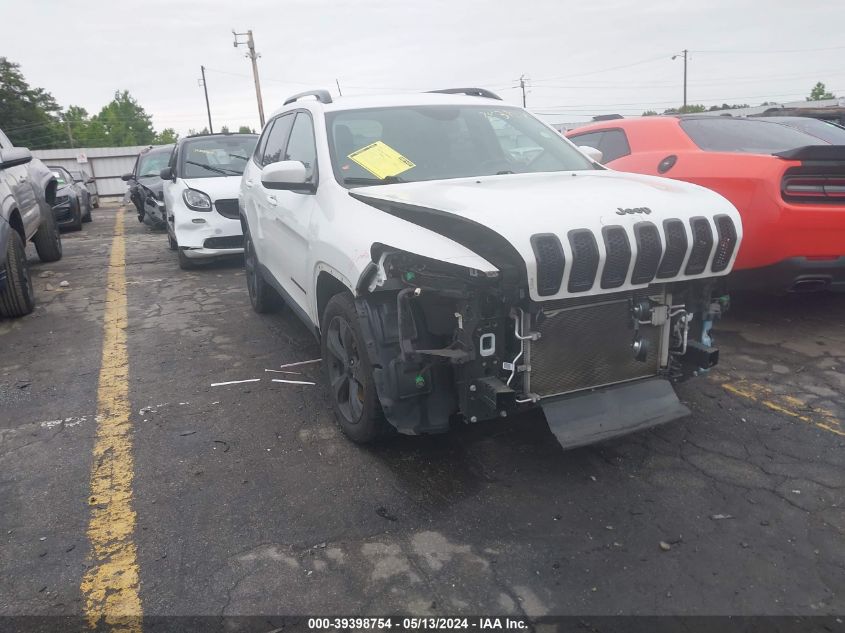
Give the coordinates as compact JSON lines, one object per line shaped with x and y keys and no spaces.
{"x":16,"y":222}
{"x":328,"y":285}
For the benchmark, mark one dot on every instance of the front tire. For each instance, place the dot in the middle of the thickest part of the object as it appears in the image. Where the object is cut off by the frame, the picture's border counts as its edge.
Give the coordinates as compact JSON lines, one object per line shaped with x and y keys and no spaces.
{"x":77,"y":217}
{"x":48,"y":240}
{"x":262,"y":296}
{"x":87,"y":217}
{"x":18,"y":297}
{"x":350,"y":374}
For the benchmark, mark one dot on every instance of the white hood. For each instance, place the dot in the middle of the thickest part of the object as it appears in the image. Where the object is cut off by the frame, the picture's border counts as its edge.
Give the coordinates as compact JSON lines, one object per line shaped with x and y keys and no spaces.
{"x":519,"y":206}
{"x":217,"y":188}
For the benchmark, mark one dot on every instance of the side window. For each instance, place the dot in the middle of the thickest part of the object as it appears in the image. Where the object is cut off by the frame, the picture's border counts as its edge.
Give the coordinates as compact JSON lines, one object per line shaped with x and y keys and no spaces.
{"x":614,"y":145}
{"x":301,"y":145}
{"x":590,"y":139}
{"x":275,"y":144}
{"x":258,"y":153}
{"x":4,"y":140}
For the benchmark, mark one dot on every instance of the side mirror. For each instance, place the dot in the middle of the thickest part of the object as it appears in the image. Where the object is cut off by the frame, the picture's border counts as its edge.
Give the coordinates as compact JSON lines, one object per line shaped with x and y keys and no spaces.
{"x":14,"y":156}
{"x":166,"y":174}
{"x":91,"y":181}
{"x":126,"y":177}
{"x":288,"y":175}
{"x":591,"y":152}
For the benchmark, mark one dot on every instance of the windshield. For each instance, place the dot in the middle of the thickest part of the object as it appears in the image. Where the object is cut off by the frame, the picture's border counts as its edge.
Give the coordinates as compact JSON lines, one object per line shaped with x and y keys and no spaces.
{"x":745,"y":135}
{"x":216,"y":156}
{"x":413,"y":143}
{"x":824,"y":130}
{"x":150,"y":164}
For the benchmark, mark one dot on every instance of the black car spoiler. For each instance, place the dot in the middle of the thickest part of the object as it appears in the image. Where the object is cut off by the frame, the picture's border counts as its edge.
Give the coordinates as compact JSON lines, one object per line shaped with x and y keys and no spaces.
{"x":814,"y":153}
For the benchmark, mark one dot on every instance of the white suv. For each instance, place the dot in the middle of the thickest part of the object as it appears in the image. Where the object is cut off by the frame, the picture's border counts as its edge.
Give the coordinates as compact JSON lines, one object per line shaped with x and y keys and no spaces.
{"x":459,"y":259}
{"x":200,"y":187}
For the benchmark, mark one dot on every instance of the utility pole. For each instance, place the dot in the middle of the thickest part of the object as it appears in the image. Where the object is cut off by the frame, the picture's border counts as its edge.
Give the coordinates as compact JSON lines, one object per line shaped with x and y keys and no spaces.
{"x":339,"y":93}
{"x":522,"y":85}
{"x":250,"y":44}
{"x":69,"y":135}
{"x":207,"y":107}
{"x":684,"y":54}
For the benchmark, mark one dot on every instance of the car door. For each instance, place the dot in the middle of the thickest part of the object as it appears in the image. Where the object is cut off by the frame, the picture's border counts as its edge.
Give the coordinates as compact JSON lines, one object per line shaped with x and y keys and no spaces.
{"x":18,"y":180}
{"x":293,"y":211}
{"x":263,"y":203}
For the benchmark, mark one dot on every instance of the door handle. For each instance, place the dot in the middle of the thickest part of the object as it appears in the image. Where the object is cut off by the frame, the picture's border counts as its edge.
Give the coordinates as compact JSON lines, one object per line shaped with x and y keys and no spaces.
{"x":272,"y":201}
{"x":248,"y":183}
{"x":22,"y":177}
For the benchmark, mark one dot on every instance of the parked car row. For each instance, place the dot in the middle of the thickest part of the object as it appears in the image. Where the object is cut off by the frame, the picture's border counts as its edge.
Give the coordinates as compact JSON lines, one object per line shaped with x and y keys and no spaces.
{"x":73,"y":204}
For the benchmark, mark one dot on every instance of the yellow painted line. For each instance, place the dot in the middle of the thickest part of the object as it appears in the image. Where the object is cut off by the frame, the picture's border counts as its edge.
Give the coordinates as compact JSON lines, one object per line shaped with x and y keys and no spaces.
{"x":786,"y":405}
{"x":110,"y":586}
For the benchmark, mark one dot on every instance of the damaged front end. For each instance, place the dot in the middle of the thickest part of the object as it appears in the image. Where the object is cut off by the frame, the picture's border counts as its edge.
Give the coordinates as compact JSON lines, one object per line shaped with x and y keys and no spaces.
{"x":448,"y":341}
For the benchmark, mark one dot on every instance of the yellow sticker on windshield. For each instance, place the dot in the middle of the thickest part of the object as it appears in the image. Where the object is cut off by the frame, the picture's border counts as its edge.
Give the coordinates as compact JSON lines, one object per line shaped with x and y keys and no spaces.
{"x":381,"y":160}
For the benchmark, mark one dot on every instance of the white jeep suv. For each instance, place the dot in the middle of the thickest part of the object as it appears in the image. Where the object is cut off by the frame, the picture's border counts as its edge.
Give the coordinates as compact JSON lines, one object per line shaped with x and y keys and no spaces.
{"x":459,"y":259}
{"x":200,"y":187}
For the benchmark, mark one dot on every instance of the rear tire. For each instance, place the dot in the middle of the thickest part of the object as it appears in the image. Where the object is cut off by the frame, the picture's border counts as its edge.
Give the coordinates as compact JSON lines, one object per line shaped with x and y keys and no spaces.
{"x":18,"y":297}
{"x":262,"y":296}
{"x":350,"y":374}
{"x":185,"y":262}
{"x":48,"y":240}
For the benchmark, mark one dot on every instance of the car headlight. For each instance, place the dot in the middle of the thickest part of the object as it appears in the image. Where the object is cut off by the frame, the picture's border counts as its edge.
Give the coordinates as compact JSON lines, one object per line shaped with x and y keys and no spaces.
{"x":196,"y":200}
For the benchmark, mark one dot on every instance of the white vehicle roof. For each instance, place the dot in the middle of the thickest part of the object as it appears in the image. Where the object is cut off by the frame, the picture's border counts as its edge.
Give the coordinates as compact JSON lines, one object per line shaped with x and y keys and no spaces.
{"x":389,"y":100}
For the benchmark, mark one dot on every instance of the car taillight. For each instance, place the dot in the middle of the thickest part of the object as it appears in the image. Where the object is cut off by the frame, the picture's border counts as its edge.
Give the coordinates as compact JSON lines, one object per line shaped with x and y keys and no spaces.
{"x":814,"y":188}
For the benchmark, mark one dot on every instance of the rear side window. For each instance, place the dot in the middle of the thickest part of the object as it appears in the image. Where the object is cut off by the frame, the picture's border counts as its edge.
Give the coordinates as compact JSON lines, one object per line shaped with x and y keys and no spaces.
{"x":276,"y":139}
{"x":301,"y":145}
{"x":612,"y":144}
{"x":722,"y":134}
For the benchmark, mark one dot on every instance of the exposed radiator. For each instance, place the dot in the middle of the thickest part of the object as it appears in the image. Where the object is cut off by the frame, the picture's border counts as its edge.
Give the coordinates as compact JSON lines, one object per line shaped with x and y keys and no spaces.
{"x":589,"y":345}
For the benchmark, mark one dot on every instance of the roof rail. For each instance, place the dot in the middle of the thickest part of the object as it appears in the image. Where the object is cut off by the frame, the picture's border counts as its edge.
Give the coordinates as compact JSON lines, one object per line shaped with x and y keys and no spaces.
{"x":472,"y":92}
{"x":607,"y":117}
{"x":323,"y":96}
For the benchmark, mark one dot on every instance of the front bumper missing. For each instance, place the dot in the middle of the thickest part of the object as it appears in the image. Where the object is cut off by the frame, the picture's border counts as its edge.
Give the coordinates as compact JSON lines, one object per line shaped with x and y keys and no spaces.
{"x":596,"y":416}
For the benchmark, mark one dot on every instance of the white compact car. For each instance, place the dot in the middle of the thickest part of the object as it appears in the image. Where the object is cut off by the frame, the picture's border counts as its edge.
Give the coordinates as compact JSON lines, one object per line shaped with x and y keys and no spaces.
{"x":458,"y":259}
{"x":201,"y":187}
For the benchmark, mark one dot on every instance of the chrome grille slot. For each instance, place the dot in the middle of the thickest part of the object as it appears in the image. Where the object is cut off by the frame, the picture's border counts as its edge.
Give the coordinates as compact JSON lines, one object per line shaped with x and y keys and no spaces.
{"x":727,"y":243}
{"x":587,"y":346}
{"x":702,"y":244}
{"x":618,"y":256}
{"x":676,"y":249}
{"x":585,"y":260}
{"x":550,"y":263}
{"x":649,"y":252}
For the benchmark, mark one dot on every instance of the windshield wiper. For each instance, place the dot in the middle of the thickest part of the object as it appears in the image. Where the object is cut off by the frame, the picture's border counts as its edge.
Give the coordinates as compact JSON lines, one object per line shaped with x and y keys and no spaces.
{"x":389,"y":180}
{"x":225,"y":172}
{"x":238,"y":156}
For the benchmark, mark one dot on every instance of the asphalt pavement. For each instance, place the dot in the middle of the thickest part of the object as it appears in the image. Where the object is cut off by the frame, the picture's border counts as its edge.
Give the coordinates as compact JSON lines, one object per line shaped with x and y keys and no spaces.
{"x":247,"y":499}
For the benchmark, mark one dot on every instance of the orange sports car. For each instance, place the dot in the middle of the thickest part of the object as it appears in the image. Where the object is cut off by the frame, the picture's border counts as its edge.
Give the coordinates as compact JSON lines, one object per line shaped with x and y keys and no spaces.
{"x":788,"y":185}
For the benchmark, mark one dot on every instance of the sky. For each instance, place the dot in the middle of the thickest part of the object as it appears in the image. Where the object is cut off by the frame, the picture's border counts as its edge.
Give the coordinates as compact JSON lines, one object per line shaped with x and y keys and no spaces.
{"x":580,"y":58}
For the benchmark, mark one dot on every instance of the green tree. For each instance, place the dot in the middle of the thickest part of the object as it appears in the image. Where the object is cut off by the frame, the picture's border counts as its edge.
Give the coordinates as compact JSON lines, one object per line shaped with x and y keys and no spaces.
{"x":224,"y":129}
{"x":245,"y":129}
{"x":820,"y":92}
{"x":167,"y":136}
{"x":687,"y":109}
{"x":122,"y":122}
{"x":650,"y":113}
{"x":28,"y":115}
